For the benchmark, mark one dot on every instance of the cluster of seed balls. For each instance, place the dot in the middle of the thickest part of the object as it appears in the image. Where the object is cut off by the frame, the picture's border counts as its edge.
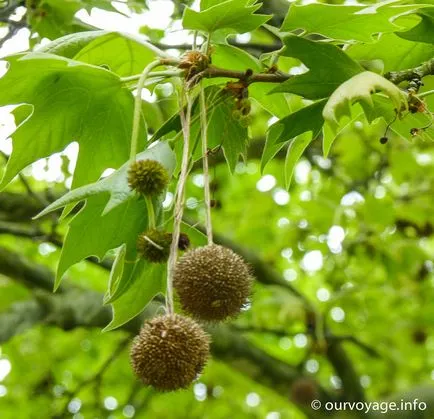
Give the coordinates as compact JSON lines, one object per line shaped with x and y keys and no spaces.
{"x":212,"y":283}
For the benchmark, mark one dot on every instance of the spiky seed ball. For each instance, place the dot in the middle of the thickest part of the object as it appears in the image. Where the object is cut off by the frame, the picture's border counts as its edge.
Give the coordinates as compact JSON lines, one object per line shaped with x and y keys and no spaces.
{"x":169,"y":352}
{"x":154,"y":245}
{"x":148,"y":177}
{"x":212,"y":282}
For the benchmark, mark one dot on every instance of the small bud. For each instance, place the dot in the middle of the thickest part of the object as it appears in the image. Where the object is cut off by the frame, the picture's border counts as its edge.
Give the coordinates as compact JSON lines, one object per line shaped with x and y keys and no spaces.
{"x":183,"y":242}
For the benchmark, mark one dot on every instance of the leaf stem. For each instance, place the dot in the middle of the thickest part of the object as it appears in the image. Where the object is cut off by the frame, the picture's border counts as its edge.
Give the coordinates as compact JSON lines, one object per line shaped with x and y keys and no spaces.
{"x":204,"y":135}
{"x":427,"y":93}
{"x":179,"y":200}
{"x":151,"y":212}
{"x":138,"y":109}
{"x":164,"y":73}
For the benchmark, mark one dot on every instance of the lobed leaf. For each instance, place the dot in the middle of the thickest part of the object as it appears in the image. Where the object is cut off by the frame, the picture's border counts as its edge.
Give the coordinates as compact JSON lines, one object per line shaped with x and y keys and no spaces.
{"x":359,"y":89}
{"x":70,"y":101}
{"x":237,"y":15}
{"x":328,"y":65}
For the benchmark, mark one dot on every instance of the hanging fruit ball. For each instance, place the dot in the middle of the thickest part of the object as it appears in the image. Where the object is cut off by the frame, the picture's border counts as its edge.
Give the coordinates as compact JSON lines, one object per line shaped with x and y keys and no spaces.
{"x":169,"y":352}
{"x":212,"y":282}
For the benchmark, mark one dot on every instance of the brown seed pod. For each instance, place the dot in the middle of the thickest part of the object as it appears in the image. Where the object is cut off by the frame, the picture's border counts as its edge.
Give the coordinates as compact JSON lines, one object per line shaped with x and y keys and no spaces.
{"x":148,"y":177}
{"x":154,"y":245}
{"x":169,"y":352}
{"x":212,"y":282}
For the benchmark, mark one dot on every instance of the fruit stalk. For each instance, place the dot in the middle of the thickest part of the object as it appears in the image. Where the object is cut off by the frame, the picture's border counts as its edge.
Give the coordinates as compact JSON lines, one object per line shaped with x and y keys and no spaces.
{"x":138,"y":109}
{"x":179,"y":200}
{"x":207,"y":194}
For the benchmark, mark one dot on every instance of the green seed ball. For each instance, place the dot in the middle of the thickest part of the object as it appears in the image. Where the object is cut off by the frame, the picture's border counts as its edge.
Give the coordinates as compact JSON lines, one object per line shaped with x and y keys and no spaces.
{"x":169,"y":352}
{"x":212,"y":283}
{"x":245,"y":121}
{"x":154,"y":245}
{"x":148,"y":177}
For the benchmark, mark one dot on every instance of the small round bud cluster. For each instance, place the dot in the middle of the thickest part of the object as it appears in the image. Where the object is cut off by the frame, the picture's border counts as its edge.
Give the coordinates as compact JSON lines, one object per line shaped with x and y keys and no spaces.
{"x":194,"y":62}
{"x":169,"y":352}
{"x":154,"y":245}
{"x":212,"y":282}
{"x":148,"y":177}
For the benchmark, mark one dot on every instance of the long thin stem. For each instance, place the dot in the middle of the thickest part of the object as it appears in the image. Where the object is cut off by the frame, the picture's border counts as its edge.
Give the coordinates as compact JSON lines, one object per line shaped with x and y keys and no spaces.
{"x":165,"y":73}
{"x":138,"y":109}
{"x":179,"y":201}
{"x":207,"y":193}
{"x":427,"y":93}
{"x":151,"y":212}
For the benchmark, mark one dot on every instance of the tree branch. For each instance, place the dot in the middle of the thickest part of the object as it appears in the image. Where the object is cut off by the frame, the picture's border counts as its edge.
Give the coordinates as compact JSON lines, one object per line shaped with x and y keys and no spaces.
{"x":426,"y":69}
{"x":276,"y":77}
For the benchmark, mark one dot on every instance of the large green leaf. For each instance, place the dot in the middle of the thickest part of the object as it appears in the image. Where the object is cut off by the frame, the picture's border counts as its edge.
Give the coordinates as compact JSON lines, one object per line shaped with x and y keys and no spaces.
{"x":69,"y":45}
{"x":395,"y":52}
{"x":424,"y":30}
{"x":124,"y":54}
{"x":344,"y":22}
{"x":328,"y":67}
{"x":359,"y":89}
{"x":237,"y":15}
{"x":70,"y":101}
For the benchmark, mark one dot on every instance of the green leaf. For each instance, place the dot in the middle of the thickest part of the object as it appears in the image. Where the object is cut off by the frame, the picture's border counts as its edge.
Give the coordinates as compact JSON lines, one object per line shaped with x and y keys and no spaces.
{"x":69,"y":45}
{"x":278,"y":104}
{"x":53,"y":18}
{"x":111,"y":217}
{"x":91,"y":233}
{"x":148,"y":283}
{"x":117,"y":271}
{"x":117,"y":183}
{"x":328,"y":67}
{"x":424,"y":30}
{"x":395,"y":52}
{"x":344,"y":22}
{"x":295,"y":151}
{"x":223,"y":129}
{"x":307,"y":119}
{"x":131,"y":272}
{"x":123,"y":282}
{"x":330,"y":135}
{"x":124,"y":54}
{"x":237,"y":15}
{"x":359,"y":89}
{"x":70,"y":101}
